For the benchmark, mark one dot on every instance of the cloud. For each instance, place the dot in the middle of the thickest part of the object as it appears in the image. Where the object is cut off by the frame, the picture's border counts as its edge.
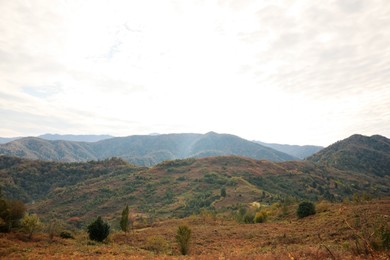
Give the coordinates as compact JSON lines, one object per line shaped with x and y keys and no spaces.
{"x":281,"y":71}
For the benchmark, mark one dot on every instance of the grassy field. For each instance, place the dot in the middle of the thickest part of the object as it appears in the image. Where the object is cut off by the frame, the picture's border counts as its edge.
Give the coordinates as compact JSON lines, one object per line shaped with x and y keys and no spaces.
{"x":337,"y":231}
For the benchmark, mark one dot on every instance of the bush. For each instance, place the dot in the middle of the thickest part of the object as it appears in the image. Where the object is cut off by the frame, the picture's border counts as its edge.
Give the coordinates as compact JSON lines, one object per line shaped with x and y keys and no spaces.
{"x":98,"y":230}
{"x":66,"y":235}
{"x":11,"y":211}
{"x":30,"y":224}
{"x":157,"y":244}
{"x":261,"y":217}
{"x":183,"y":237}
{"x":249,"y":217}
{"x":305,"y":209}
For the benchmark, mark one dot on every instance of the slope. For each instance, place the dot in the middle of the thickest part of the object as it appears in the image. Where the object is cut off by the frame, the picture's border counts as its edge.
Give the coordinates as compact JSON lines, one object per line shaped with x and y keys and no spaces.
{"x":37,"y":148}
{"x":174,"y":188}
{"x":359,"y":153}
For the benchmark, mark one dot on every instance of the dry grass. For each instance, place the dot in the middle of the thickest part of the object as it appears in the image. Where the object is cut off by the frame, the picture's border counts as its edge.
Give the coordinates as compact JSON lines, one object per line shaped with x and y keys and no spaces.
{"x":322,"y":236}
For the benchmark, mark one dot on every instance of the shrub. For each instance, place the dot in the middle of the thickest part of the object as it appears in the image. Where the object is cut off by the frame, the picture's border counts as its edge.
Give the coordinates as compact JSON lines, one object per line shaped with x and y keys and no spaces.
{"x":249,"y":217}
{"x":261,"y":217}
{"x":157,"y":244}
{"x":183,"y":237}
{"x":223,"y":192}
{"x":98,"y":230}
{"x":30,"y":223}
{"x":66,"y":235}
{"x":11,"y":211}
{"x":305,"y":209}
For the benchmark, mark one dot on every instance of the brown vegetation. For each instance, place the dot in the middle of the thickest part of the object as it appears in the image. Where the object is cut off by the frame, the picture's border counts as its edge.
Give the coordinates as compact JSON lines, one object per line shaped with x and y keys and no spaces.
{"x":337,"y":231}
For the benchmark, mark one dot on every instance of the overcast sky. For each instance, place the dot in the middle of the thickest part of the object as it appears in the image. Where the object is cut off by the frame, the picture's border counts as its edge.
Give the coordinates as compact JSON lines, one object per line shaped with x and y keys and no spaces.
{"x":296,"y":72}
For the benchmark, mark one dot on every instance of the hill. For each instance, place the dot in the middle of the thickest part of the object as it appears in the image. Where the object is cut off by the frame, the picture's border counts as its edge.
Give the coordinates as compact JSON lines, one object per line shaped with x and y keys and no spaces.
{"x":40,"y":149}
{"x":298,"y":151}
{"x":144,"y":150}
{"x":370,"y":155}
{"x":176,"y":188}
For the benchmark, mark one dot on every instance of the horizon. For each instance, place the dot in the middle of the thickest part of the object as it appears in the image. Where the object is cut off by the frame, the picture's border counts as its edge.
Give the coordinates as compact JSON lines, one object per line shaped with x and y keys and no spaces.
{"x":299,"y":73}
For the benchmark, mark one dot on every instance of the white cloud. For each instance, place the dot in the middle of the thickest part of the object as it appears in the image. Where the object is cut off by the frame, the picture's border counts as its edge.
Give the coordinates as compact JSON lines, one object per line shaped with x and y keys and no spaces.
{"x":278,"y":71}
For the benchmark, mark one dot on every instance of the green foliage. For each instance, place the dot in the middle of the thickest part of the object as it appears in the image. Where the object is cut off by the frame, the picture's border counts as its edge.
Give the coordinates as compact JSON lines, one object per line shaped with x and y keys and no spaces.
{"x":261,"y":217}
{"x":124,"y":223}
{"x":98,"y":230}
{"x":53,"y":228}
{"x":305,"y":209}
{"x":223,"y":192}
{"x":30,"y":224}
{"x":11,"y":211}
{"x":246,"y":216}
{"x":183,"y":236}
{"x":249,"y":217}
{"x":157,"y":244}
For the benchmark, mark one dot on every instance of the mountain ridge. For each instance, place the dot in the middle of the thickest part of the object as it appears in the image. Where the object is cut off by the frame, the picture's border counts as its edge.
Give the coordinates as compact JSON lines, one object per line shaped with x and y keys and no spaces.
{"x":299,"y":151}
{"x":143,"y":150}
{"x":360,"y":153}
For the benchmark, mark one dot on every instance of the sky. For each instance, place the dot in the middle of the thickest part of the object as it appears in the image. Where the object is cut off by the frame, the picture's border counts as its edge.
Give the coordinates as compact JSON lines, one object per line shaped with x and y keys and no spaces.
{"x":293,"y":72}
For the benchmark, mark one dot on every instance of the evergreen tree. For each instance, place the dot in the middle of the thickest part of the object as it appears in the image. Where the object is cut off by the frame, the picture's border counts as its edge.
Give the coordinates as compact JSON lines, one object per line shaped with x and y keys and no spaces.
{"x":98,"y":230}
{"x":124,"y":223}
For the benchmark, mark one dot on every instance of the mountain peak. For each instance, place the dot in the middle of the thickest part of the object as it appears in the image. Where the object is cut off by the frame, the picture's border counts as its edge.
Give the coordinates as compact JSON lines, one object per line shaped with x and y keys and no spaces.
{"x":360,"y":153}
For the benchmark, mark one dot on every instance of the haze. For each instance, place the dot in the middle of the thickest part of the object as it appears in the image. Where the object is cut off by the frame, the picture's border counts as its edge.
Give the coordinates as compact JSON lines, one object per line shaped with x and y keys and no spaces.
{"x":297,"y":72}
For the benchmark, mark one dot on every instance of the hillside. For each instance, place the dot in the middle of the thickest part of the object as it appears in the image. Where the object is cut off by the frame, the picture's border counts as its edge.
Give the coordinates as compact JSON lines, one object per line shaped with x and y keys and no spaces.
{"x":283,"y":236}
{"x":298,"y":151}
{"x":40,"y":149}
{"x":144,"y":150}
{"x":370,"y":155}
{"x":176,"y":188}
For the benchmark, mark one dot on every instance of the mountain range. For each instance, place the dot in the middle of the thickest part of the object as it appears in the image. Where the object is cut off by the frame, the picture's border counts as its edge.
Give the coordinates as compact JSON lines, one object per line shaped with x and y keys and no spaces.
{"x":145,"y":150}
{"x":183,"y":187}
{"x":298,"y":151}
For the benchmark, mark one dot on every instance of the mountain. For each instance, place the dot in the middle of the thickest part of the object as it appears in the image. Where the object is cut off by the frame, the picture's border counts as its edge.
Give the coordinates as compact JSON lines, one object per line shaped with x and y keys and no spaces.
{"x":4,"y":140}
{"x":142,"y":149}
{"x":75,"y":138}
{"x":40,"y":149}
{"x":298,"y":151}
{"x":174,"y":188}
{"x":359,"y":153}
{"x":57,"y":137}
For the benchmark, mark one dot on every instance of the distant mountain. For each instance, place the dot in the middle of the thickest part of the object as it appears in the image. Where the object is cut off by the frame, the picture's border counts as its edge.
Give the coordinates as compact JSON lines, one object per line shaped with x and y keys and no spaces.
{"x":75,"y":138}
{"x":297,"y":151}
{"x":58,"y":137}
{"x":4,"y":140}
{"x":370,"y":155}
{"x":40,"y":149}
{"x":142,"y":149}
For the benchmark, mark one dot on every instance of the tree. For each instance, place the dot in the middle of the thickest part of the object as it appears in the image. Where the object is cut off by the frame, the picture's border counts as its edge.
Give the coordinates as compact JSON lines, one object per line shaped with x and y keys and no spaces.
{"x":223,"y":192}
{"x":305,"y":209}
{"x":53,"y":228}
{"x":124,"y":223}
{"x":11,"y":211}
{"x":98,"y":230}
{"x":30,"y":223}
{"x":183,"y":237}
